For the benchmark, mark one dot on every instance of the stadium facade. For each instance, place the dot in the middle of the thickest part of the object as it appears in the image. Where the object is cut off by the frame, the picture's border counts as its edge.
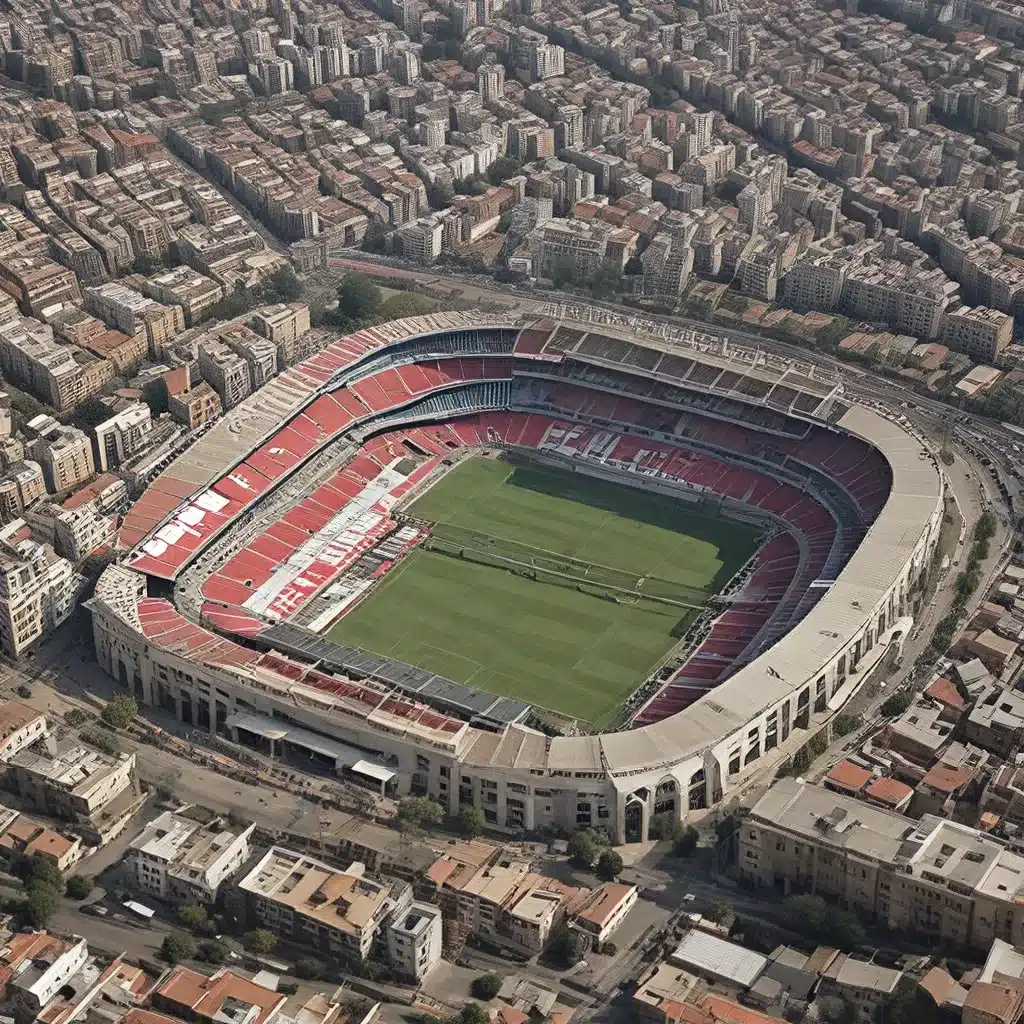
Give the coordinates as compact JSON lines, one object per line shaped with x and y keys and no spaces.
{"x":192,"y":621}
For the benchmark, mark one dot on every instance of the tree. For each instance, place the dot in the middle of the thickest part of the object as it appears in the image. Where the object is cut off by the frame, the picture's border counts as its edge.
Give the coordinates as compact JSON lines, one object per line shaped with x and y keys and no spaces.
{"x":120,"y":712}
{"x":146,"y":264}
{"x":38,"y":869}
{"x":582,"y":850}
{"x":282,"y":286}
{"x":486,"y":986}
{"x":686,"y":844}
{"x":358,"y":297}
{"x":563,"y":272}
{"x":78,"y":887}
{"x":193,"y":916}
{"x":419,"y":812}
{"x":721,"y":913}
{"x":212,"y":951}
{"x":469,"y":821}
{"x":837,"y":1010}
{"x":472,"y":1013}
{"x":259,"y":941}
{"x":309,"y":969}
{"x":897,"y":704}
{"x":41,"y":902}
{"x":609,"y":866}
{"x":845,"y":724}
{"x":606,"y":282}
{"x":566,"y":946}
{"x":178,"y":946}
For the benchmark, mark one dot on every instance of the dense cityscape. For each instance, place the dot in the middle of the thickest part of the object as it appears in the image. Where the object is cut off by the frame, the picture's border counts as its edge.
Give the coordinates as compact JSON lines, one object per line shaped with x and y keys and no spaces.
{"x":510,"y":512}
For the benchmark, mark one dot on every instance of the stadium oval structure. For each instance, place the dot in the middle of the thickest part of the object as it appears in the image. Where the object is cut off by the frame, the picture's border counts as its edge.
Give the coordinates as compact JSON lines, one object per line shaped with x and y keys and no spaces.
{"x":197,"y":615}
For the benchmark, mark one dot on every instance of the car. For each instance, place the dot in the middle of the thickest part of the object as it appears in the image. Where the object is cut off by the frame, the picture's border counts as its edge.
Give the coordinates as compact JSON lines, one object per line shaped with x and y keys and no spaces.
{"x":24,"y":692}
{"x":689,"y":898}
{"x":94,"y":910}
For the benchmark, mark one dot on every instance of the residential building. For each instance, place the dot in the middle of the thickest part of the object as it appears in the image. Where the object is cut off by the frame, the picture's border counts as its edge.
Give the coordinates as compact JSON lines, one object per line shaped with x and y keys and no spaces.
{"x":122,"y":350}
{"x":37,"y":965}
{"x":20,"y":726}
{"x":868,"y":987}
{"x":215,"y":999}
{"x":185,"y":287}
{"x":338,"y":912}
{"x":931,"y":876}
{"x":226,"y":372}
{"x":38,"y":589}
{"x":603,"y":910}
{"x":81,"y":530}
{"x":26,"y":837}
{"x":414,"y":940}
{"x":123,"y":436}
{"x":96,"y":791}
{"x":981,"y":333}
{"x":283,"y":325}
{"x":196,"y":407}
{"x":185,"y":856}
{"x":65,"y":454}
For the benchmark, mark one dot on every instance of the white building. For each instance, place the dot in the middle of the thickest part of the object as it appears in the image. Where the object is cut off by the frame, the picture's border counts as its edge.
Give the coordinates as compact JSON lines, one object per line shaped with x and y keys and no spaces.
{"x":44,"y":969}
{"x":20,"y":727}
{"x":414,"y":939}
{"x":122,"y":436}
{"x":182,"y":859}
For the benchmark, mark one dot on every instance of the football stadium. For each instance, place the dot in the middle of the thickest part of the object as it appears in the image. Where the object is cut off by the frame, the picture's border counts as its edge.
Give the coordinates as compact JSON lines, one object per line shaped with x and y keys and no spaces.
{"x":574,"y":570}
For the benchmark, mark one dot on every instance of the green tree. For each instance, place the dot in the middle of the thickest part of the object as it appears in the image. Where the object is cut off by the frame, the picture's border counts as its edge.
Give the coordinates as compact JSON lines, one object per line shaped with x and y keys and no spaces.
{"x":472,"y":1013}
{"x":721,"y":913}
{"x":606,"y":282}
{"x":419,"y":812}
{"x":42,"y":900}
{"x":566,"y":946}
{"x":193,"y":916}
{"x":90,"y":413}
{"x":582,"y":849}
{"x":897,"y":704}
{"x":78,"y":887}
{"x":469,"y":821}
{"x":358,"y":297}
{"x":212,"y":951}
{"x":178,"y":946}
{"x":309,"y":969}
{"x":282,"y":286}
{"x":686,"y":844}
{"x":486,"y":986}
{"x":609,"y":866}
{"x":120,"y":712}
{"x":259,"y":941}
{"x":101,"y":739}
{"x":837,"y":1010}
{"x":146,"y":264}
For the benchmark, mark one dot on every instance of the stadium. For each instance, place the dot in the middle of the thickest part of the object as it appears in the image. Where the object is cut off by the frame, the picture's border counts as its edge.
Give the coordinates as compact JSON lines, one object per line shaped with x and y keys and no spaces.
{"x":576,"y":571}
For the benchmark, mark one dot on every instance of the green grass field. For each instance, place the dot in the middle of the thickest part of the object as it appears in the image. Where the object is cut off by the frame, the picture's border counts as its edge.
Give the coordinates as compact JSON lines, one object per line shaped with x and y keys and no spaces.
{"x":552,"y":645}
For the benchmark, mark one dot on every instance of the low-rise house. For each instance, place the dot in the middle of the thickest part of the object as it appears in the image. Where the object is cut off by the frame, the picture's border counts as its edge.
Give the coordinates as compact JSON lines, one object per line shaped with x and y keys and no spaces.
{"x":603,"y":911}
{"x":20,"y":727}
{"x":867,"y":986}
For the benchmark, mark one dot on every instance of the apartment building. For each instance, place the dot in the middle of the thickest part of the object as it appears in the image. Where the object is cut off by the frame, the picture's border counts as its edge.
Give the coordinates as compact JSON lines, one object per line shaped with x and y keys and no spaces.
{"x":96,"y":791}
{"x":39,"y":965}
{"x":931,"y":876}
{"x":225,"y":371}
{"x":131,"y":311}
{"x":38,"y":589}
{"x":183,"y":286}
{"x":185,"y":856}
{"x":282,"y":325}
{"x":422,"y":241}
{"x":574,"y":247}
{"x":220,"y":998}
{"x":65,"y":454}
{"x":308,"y":902}
{"x":603,"y":910}
{"x":122,"y":350}
{"x":26,"y":837}
{"x":37,"y":282}
{"x":195,"y":407}
{"x":414,"y":941}
{"x":123,"y":436}
{"x":61,"y":375}
{"x":259,"y":353}
{"x":78,"y":532}
{"x":20,"y":727}
{"x":981,"y":333}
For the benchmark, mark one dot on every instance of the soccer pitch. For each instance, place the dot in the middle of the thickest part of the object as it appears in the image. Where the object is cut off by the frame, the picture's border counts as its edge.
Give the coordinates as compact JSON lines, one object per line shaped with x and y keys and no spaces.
{"x":556,"y":646}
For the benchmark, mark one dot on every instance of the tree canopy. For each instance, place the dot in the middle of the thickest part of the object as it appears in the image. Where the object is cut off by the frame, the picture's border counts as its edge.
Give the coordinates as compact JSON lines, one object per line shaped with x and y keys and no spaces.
{"x":178,"y":946}
{"x":469,"y":821}
{"x":259,"y":941}
{"x":419,"y":812}
{"x":609,"y":866}
{"x":582,"y":849}
{"x":120,"y":712}
{"x":358,"y":297}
